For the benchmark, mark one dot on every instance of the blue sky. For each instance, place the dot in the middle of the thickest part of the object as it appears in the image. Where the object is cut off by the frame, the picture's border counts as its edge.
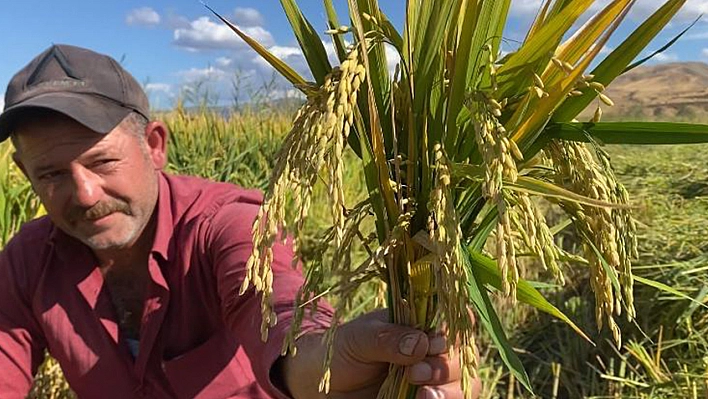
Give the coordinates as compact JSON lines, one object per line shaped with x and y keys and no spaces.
{"x":172,"y":45}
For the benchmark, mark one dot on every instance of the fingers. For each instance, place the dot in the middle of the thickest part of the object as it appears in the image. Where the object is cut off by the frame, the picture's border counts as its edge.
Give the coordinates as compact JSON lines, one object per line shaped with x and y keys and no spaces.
{"x":438,"y":367}
{"x":436,"y":370}
{"x":370,"y":340}
{"x":439,"y":373}
{"x":450,"y":390}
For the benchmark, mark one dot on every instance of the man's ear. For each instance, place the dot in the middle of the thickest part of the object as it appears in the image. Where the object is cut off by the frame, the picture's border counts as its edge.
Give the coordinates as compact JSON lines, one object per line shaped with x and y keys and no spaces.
{"x":156,"y":135}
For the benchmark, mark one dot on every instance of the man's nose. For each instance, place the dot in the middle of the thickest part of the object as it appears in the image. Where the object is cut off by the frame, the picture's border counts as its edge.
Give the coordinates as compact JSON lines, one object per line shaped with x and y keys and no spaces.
{"x":87,"y":187}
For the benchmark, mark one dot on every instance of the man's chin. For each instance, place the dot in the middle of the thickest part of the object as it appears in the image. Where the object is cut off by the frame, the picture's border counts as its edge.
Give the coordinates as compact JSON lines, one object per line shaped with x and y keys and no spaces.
{"x":106,"y":241}
{"x":102,"y":245}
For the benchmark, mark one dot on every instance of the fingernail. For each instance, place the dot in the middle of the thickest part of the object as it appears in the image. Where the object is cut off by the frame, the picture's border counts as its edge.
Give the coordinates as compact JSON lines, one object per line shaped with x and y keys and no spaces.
{"x":437,"y":345}
{"x":428,"y":393}
{"x":421,"y":372}
{"x":408,"y":343}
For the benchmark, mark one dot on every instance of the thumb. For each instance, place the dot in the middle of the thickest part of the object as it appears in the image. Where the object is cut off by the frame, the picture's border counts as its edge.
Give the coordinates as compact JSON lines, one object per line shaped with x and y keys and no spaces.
{"x":368,"y":339}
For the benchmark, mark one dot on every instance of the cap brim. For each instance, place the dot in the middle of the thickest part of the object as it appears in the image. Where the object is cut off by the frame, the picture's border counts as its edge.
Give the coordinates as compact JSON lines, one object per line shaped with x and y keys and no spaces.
{"x":96,"y":113}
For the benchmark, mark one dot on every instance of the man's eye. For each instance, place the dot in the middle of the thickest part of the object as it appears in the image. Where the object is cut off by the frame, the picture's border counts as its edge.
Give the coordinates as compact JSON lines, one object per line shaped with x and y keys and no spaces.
{"x":49,"y":175}
{"x":102,"y":163}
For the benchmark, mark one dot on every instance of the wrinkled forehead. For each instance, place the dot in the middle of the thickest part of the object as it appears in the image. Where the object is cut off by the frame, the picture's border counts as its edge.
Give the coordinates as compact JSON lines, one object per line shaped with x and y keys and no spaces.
{"x":32,"y":118}
{"x":45,"y":132}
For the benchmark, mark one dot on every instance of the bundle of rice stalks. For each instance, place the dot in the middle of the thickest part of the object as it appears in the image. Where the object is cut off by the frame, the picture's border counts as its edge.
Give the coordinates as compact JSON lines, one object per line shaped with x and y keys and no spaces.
{"x":454,"y":144}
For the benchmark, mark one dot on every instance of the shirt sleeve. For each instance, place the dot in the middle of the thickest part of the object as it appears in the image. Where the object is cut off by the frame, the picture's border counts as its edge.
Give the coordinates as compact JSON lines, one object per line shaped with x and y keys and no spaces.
{"x":230,"y":246}
{"x":21,"y":342}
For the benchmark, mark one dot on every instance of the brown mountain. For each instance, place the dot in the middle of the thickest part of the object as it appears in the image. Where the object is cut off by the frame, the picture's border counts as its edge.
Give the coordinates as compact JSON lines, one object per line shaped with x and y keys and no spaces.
{"x":663,"y":92}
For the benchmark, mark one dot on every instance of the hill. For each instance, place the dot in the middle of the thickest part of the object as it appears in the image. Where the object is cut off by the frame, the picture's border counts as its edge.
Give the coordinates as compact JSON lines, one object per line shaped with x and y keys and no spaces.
{"x":666,"y":91}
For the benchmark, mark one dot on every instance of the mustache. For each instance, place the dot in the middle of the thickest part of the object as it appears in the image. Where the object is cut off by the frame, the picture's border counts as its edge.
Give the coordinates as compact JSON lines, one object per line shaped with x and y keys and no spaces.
{"x":99,"y":210}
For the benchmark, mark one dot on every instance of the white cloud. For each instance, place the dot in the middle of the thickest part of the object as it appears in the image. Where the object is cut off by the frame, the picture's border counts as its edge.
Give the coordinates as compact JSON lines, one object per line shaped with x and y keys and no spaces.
{"x":2,"y":101}
{"x":694,"y":8}
{"x":704,"y":52}
{"x":144,"y":16}
{"x":285,"y":93}
{"x":176,"y":21}
{"x":696,"y":36}
{"x":290,"y":55}
{"x":331,"y":52}
{"x":392,"y":58}
{"x":527,"y":9}
{"x":209,"y":73}
{"x":665,"y":57}
{"x":204,"y":34}
{"x":285,"y":52}
{"x":690,"y":11}
{"x":224,"y":62}
{"x":246,"y":17}
{"x":158,"y":87}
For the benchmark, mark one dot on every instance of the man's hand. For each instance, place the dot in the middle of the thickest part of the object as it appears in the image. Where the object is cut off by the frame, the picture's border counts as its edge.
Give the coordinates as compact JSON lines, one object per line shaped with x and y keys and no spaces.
{"x":363,"y":349}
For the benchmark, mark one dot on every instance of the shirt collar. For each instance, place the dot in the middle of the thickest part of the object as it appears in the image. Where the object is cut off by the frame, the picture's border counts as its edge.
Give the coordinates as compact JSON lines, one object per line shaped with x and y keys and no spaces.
{"x":164,"y":218}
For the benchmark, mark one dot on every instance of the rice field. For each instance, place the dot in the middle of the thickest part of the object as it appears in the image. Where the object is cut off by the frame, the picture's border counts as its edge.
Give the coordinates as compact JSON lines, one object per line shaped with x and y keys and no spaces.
{"x":664,"y":354}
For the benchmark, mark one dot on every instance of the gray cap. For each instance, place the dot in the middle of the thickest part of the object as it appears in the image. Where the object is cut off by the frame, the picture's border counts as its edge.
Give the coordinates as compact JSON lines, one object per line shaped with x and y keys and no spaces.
{"x":91,"y":88}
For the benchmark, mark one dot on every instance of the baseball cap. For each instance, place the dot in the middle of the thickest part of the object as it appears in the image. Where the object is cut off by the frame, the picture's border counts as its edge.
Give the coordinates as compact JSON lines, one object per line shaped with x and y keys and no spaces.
{"x":89,"y":87}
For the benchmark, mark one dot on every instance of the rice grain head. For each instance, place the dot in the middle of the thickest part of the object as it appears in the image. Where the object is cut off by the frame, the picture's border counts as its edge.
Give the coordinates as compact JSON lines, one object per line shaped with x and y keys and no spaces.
{"x":609,"y":233}
{"x":499,"y":156}
{"x":316,"y":141}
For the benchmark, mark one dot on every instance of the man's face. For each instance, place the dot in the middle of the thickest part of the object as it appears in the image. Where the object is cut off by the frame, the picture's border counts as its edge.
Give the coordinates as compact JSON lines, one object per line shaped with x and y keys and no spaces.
{"x":100,"y":189}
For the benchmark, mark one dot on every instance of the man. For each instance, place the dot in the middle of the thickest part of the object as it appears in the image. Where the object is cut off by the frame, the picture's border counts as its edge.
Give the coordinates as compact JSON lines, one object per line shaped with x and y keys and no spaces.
{"x":131,"y":281}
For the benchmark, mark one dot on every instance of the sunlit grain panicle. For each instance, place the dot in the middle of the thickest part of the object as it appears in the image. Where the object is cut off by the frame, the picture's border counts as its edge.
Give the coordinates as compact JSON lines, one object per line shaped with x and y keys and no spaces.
{"x":609,"y":233}
{"x":448,"y":266}
{"x":531,"y":225}
{"x":316,"y":141}
{"x":498,"y":154}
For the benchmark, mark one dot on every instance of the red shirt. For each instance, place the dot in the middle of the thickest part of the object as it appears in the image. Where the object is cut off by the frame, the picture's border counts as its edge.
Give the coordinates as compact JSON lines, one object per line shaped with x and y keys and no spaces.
{"x":198,"y":338}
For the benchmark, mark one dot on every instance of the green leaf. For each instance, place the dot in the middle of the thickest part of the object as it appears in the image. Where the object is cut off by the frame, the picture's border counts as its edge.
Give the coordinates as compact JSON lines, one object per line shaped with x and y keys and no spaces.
{"x":539,"y":20}
{"x":516,"y":71}
{"x":574,"y":48}
{"x":696,"y":302}
{"x":466,"y":171}
{"x":428,"y":63}
{"x":488,"y":30}
{"x":531,"y":185}
{"x":487,"y":272}
{"x":489,"y":319}
{"x":666,"y":288}
{"x":461,"y":74}
{"x":333,"y":21}
{"x":549,"y":190}
{"x":481,"y":233}
{"x":379,"y":124}
{"x":371,"y":176}
{"x":283,"y":68}
{"x":310,"y":42}
{"x":609,"y":270}
{"x":481,"y":24}
{"x":630,"y":132}
{"x":377,"y":73}
{"x":390,"y":32}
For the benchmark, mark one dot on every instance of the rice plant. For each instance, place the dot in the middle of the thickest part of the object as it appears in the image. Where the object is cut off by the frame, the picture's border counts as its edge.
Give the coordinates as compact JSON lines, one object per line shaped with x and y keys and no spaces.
{"x":454,"y":143}
{"x":17,"y":202}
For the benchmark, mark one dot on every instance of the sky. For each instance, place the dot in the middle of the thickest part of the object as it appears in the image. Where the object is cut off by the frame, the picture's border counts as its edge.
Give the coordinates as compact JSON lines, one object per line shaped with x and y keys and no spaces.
{"x":177,"y":47}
